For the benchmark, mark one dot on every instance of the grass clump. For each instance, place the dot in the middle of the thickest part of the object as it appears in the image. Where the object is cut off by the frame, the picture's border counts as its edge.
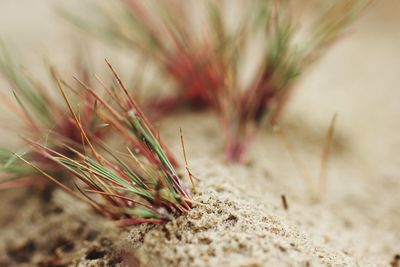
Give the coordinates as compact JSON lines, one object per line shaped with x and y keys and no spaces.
{"x":208,"y":64}
{"x":139,"y":185}
{"x":37,"y":114}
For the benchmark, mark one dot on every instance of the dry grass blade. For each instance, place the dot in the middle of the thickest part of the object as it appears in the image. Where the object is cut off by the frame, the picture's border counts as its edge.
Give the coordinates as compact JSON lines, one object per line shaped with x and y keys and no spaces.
{"x":317,"y":185}
{"x":191,"y":176}
{"x":325,"y":157}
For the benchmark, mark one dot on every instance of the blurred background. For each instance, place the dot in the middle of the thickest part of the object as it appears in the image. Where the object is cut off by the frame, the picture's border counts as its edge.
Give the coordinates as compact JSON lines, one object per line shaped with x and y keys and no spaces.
{"x":359,"y":78}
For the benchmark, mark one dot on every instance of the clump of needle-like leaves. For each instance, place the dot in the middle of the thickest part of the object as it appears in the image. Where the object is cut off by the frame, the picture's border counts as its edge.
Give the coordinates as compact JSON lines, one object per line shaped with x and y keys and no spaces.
{"x":135,"y":186}
{"x":207,"y":64}
{"x":37,"y":114}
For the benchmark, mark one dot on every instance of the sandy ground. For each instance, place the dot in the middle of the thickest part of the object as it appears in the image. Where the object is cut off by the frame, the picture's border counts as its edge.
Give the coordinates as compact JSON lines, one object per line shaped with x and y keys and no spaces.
{"x":243,"y":222}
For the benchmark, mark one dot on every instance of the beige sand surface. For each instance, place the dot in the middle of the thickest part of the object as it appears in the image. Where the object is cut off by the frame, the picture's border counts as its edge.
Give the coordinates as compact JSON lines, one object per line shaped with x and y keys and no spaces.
{"x":243,"y":222}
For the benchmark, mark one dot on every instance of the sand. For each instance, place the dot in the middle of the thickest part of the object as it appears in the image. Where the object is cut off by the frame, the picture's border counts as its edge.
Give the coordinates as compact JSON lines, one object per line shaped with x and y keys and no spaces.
{"x":242,"y":220}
